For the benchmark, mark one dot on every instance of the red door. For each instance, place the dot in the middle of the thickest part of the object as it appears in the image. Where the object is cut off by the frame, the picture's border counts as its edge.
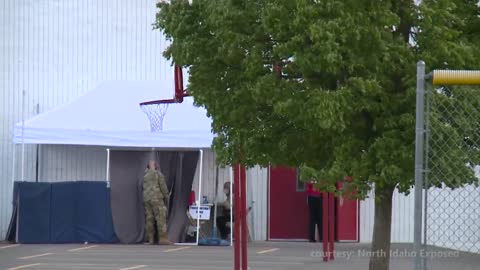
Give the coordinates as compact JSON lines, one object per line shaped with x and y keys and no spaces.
{"x":288,"y":209}
{"x":347,"y":221}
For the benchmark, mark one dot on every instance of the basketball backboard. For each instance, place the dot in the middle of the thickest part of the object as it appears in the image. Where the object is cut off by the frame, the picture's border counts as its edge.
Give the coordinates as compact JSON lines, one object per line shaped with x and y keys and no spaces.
{"x":179,"y":90}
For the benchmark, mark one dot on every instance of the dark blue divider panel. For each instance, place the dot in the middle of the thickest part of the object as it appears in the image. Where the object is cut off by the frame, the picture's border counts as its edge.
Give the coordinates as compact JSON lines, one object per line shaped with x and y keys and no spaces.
{"x":62,"y":213}
{"x":93,"y":215}
{"x":34,"y":212}
{"x":109,"y":234}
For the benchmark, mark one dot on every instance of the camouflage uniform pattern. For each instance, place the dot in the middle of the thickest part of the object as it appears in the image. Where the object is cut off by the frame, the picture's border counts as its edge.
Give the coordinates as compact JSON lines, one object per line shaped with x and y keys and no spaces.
{"x":155,"y":193}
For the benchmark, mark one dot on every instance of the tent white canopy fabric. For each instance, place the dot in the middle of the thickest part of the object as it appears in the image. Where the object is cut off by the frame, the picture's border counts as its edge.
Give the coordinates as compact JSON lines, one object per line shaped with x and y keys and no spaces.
{"x":110,"y":115}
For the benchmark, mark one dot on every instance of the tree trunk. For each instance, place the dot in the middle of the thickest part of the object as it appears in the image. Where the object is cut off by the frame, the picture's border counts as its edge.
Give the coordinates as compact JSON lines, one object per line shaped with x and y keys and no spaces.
{"x":380,"y":253}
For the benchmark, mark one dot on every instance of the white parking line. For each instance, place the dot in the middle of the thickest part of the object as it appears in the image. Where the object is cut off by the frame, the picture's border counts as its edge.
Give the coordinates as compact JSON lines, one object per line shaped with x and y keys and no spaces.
{"x":82,"y":248}
{"x":177,"y":249}
{"x":35,"y":256}
{"x":134,"y":267}
{"x":267,"y":250}
{"x":24,"y":266}
{"x":10,"y":246}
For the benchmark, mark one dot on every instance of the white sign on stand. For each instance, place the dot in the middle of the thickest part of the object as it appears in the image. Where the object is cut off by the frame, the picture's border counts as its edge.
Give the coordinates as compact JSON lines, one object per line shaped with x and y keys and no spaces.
{"x":204,"y":212}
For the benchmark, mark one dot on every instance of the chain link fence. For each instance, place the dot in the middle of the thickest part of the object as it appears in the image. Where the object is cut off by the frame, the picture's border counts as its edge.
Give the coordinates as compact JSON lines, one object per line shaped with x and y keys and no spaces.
{"x":451,"y":214}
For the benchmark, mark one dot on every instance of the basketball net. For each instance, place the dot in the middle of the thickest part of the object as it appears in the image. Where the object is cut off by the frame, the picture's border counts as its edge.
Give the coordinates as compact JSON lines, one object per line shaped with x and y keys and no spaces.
{"x":155,"y":113}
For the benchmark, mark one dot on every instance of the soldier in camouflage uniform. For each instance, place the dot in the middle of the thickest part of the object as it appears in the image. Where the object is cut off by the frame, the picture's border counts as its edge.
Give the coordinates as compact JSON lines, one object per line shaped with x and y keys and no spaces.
{"x":155,"y":197}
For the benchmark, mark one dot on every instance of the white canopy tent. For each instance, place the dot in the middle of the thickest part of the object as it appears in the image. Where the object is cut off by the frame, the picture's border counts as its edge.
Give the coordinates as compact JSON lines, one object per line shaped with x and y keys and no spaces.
{"x":110,"y":116}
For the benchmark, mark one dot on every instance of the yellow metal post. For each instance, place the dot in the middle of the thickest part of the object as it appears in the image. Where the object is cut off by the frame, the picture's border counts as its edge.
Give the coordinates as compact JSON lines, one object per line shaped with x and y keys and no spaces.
{"x":449,"y":77}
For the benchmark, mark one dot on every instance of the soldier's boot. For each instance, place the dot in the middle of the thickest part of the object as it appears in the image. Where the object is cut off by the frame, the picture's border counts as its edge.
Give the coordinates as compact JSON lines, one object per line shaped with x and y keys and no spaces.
{"x":149,"y":238}
{"x":151,"y":241}
{"x":164,"y":240}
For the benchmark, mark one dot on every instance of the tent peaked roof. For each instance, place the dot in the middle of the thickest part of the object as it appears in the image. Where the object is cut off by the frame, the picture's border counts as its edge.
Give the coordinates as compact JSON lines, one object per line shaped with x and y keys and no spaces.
{"x":110,"y":115}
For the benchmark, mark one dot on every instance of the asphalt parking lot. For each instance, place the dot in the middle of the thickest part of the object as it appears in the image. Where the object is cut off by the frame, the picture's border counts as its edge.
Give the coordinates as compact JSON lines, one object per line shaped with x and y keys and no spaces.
{"x":262,"y":256}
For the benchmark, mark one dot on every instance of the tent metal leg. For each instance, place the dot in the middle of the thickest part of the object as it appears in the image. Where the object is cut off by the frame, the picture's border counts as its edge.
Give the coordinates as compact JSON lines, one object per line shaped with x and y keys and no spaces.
{"x":199,"y":194}
{"x":107,"y":173}
{"x":14,"y":161}
{"x":23,"y":137}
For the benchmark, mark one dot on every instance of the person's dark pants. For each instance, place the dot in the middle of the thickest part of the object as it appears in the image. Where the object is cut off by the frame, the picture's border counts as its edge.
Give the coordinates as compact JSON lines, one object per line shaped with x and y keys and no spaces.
{"x":222,"y":226}
{"x":315,"y":209}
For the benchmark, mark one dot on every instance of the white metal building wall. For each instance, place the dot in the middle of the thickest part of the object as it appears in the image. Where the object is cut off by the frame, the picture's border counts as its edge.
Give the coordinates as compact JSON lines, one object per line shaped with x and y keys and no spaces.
{"x":72,"y":163}
{"x":453,"y":218}
{"x":402,"y":218}
{"x":58,"y":50}
{"x":257,"y":189}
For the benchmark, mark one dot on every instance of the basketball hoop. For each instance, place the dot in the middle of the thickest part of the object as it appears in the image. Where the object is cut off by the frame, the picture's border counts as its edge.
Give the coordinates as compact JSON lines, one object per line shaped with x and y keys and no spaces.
{"x":156,"y":111}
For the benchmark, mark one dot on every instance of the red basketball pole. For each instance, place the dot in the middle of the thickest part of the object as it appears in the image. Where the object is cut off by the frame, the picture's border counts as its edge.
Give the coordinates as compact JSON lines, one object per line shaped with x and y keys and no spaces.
{"x":331,"y":225}
{"x":178,"y":80}
{"x":237,"y":215}
{"x":325,"y":234}
{"x":244,"y":232}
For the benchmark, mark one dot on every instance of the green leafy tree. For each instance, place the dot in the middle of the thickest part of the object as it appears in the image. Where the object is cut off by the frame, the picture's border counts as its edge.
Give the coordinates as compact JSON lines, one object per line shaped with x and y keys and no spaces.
{"x":326,"y":85}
